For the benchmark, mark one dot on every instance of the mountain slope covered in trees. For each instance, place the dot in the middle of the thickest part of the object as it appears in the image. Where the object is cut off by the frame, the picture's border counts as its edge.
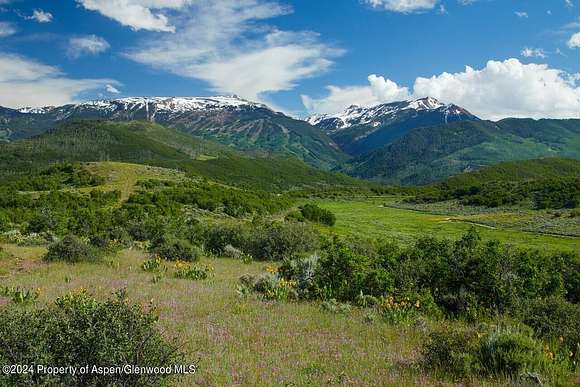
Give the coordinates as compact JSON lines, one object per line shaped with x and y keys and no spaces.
{"x":429,"y":154}
{"x":152,"y":144}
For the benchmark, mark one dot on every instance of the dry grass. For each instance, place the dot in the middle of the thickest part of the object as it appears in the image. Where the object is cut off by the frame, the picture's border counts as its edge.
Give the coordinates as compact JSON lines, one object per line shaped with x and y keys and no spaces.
{"x":241,"y":341}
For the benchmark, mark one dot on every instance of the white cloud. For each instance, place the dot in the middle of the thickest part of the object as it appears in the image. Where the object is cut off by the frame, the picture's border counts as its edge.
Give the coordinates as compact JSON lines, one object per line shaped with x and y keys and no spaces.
{"x":24,"y":82}
{"x":574,"y":41}
{"x":379,"y":90}
{"x":112,"y":89}
{"x":533,"y":53}
{"x":86,"y":45}
{"x":227,"y":44}
{"x":403,"y":6}
{"x":521,"y":14}
{"x":500,"y":89}
{"x":6,"y":29}
{"x":137,"y":14}
{"x":40,"y":16}
{"x":569,"y":3}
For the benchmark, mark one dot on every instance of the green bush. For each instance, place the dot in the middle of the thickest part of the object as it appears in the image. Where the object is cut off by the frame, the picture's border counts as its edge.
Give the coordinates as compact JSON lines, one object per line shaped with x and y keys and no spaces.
{"x":78,"y":331}
{"x":219,"y":236}
{"x":316,"y":214}
{"x":453,"y":350}
{"x":555,"y":319}
{"x":276,"y":241}
{"x":344,"y":274}
{"x":490,"y":350}
{"x":269,"y":286}
{"x":193,"y":272}
{"x":174,"y":249}
{"x":72,"y":249}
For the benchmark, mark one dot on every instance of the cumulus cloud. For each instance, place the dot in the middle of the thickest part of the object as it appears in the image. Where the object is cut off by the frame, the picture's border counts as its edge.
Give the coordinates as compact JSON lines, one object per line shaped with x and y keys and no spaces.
{"x":137,"y":14}
{"x":40,"y":16}
{"x":86,"y":45}
{"x":24,"y":82}
{"x":403,"y":6}
{"x":521,"y":14}
{"x":112,"y":89}
{"x":227,"y":44}
{"x":574,"y":41}
{"x":379,"y":90}
{"x":6,"y":29}
{"x":528,"y":52}
{"x":500,"y":89}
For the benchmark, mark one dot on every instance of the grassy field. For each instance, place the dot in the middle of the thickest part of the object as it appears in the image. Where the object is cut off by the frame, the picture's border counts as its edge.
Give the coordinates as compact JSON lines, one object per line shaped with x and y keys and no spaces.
{"x":124,"y":176}
{"x":371,"y":218}
{"x":239,"y":341}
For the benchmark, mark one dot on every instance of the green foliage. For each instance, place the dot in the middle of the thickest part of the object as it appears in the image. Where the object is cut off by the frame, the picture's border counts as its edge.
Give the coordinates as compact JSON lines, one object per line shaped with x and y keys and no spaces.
{"x":77,"y":331}
{"x":557,"y":320}
{"x":18,"y":295}
{"x":547,"y":183}
{"x":148,"y":143}
{"x":193,"y":272}
{"x":233,"y":202}
{"x":428,"y":154}
{"x":497,"y":351}
{"x":316,"y":214}
{"x":71,"y":249}
{"x":152,"y":265}
{"x":276,"y":241}
{"x":269,"y":286}
{"x":174,"y":249}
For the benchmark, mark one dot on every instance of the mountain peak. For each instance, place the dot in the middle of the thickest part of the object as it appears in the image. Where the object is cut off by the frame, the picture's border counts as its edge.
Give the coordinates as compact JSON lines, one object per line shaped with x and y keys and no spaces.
{"x":357,"y":115}
{"x":362,"y":129}
{"x":169,"y":104}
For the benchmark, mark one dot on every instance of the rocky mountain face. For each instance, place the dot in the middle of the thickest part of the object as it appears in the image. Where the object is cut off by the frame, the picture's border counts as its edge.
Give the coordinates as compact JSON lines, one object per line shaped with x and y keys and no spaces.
{"x":358,"y":130}
{"x":229,"y":120}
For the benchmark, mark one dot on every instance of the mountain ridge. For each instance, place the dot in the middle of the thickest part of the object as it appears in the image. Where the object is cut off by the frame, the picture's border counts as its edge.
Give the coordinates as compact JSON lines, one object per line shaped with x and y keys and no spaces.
{"x":358,"y":130}
{"x":230,"y":120}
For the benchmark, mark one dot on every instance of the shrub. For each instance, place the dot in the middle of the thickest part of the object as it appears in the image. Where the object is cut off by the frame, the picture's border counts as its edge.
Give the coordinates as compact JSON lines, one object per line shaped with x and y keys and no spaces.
{"x":192,"y":272}
{"x":221,"y":235}
{"x":334,"y":306}
{"x":173,"y":249}
{"x":555,"y":319}
{"x":269,"y":286}
{"x":489,"y":350}
{"x":510,"y":351}
{"x":4,"y":222}
{"x":72,"y":249}
{"x":343,"y":274}
{"x":302,"y":271}
{"x":277,"y":241}
{"x":152,"y":265}
{"x":79,"y":330}
{"x":113,"y":239}
{"x":316,"y":214}
{"x":453,"y":350}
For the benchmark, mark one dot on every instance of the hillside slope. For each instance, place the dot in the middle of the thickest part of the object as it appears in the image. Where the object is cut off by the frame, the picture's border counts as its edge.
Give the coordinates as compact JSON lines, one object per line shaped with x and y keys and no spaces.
{"x":429,"y":154}
{"x":152,"y":144}
{"x":359,"y":130}
{"x":233,"y":121}
{"x":515,"y":171}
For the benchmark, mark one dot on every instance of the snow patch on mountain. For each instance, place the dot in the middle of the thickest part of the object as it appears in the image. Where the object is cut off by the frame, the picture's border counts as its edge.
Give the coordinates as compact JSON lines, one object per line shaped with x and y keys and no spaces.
{"x":168,"y":104}
{"x":374,"y":115}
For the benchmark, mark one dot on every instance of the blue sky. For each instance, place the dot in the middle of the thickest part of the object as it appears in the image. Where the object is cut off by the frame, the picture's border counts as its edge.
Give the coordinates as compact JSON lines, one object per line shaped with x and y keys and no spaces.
{"x":302,"y":56}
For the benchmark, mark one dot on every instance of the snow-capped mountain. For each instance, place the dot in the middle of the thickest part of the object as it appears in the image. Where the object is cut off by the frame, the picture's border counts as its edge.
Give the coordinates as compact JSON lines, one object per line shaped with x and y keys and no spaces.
{"x":150,"y":106}
{"x":230,"y":120}
{"x":361,"y":129}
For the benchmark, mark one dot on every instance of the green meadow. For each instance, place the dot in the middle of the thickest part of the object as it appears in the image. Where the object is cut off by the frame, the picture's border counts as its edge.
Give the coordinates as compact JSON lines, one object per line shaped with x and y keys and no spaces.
{"x":370,"y":217}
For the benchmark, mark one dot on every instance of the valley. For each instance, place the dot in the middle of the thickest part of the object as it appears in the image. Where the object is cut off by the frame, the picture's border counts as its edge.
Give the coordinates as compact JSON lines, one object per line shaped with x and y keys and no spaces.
{"x":287,"y":272}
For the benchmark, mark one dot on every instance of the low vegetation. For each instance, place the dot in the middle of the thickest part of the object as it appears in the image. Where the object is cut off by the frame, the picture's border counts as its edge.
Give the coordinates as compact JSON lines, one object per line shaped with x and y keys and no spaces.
{"x":78,"y":330}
